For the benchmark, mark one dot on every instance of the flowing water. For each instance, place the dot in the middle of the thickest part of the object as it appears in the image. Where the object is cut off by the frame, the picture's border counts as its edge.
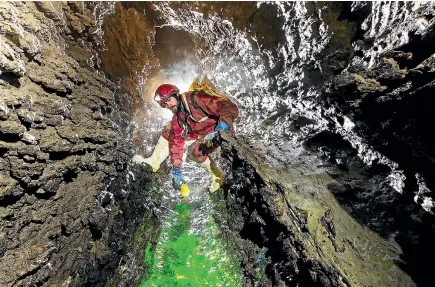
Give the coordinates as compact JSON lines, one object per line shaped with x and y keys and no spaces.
{"x":189,"y":251}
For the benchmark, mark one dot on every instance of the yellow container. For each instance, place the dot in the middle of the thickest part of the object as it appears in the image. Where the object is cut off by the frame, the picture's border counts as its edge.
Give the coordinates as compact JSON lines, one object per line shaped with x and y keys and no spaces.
{"x":184,"y":190}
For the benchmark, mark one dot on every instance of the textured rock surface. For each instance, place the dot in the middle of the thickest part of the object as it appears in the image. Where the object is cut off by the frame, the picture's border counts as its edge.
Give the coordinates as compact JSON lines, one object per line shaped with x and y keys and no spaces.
{"x":128,"y":56}
{"x":338,"y":100}
{"x":289,"y":230}
{"x":68,"y":205}
{"x":391,"y":105}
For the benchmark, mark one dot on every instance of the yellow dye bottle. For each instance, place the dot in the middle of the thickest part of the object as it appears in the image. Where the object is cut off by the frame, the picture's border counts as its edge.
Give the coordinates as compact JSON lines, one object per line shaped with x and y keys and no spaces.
{"x":184,"y":190}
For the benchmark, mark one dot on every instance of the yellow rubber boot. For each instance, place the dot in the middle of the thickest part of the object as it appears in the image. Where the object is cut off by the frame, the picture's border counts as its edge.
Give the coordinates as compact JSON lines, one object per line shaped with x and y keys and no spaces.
{"x":160,"y":153}
{"x":216,"y":174}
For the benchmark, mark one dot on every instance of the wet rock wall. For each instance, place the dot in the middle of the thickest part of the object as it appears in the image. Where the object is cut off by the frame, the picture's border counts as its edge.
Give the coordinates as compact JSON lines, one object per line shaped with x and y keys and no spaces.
{"x":386,"y":92}
{"x":69,"y":204}
{"x":391,"y":107}
{"x":288,"y":229}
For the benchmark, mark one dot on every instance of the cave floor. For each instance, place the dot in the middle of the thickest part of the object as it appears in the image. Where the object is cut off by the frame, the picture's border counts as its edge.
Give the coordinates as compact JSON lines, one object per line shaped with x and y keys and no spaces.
{"x":189,"y":251}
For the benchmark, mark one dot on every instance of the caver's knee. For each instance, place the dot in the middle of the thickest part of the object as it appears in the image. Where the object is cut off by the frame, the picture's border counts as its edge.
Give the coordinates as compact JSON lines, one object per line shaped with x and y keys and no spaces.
{"x":195,"y":153}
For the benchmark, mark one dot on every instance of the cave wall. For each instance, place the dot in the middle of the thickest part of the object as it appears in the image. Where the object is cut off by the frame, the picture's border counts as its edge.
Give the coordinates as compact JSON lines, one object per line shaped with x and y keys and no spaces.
{"x":387,"y":89}
{"x":128,"y":55}
{"x":387,"y":100}
{"x":391,"y":104}
{"x":288,"y":229}
{"x":69,"y":204}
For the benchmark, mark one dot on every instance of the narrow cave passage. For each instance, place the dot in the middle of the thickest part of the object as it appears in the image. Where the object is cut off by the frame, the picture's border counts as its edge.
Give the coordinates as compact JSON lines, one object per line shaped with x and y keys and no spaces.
{"x":280,"y":101}
{"x":328,"y":165}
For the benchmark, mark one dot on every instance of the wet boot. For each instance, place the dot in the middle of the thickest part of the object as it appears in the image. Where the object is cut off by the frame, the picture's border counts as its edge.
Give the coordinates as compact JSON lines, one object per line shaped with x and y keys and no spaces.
{"x":160,"y":153}
{"x":217,"y":175}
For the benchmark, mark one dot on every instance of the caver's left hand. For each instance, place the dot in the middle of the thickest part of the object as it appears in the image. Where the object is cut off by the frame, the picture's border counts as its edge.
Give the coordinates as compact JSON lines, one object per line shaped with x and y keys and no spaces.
{"x":177,"y":178}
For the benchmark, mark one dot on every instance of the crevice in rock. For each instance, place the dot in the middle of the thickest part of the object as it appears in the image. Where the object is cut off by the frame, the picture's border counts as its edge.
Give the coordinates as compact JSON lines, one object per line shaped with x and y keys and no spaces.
{"x":11,"y":79}
{"x":64,"y":231}
{"x":10,"y":138}
{"x":70,"y":176}
{"x":3,"y":151}
{"x":95,"y":232}
{"x":419,"y":78}
{"x":61,"y":155}
{"x":357,"y":16}
{"x":29,"y":189}
{"x":94,"y":140}
{"x":48,"y":90}
{"x":9,"y":199}
{"x":420,"y":47}
{"x":45,"y":196}
{"x":31,"y":58}
{"x":27,"y":274}
{"x":25,"y":123}
{"x":35,"y":176}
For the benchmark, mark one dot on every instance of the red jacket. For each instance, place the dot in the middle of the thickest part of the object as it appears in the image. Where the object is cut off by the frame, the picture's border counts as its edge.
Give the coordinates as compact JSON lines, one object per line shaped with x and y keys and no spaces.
{"x":217,"y":109}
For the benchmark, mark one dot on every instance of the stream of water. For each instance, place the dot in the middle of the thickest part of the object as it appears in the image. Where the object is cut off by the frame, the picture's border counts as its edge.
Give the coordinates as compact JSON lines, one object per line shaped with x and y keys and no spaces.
{"x":189,"y":251}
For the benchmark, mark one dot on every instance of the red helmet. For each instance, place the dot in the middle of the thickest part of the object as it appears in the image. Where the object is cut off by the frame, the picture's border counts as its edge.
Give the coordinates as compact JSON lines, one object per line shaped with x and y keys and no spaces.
{"x":164,"y":92}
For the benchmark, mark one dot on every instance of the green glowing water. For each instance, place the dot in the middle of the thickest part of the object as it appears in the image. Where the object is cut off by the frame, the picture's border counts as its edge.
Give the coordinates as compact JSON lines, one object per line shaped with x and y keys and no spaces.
{"x":186,"y":257}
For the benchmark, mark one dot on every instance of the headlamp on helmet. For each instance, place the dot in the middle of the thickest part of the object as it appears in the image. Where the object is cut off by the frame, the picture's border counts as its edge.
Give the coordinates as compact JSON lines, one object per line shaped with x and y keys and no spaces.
{"x":157,"y":97}
{"x":164,"y":92}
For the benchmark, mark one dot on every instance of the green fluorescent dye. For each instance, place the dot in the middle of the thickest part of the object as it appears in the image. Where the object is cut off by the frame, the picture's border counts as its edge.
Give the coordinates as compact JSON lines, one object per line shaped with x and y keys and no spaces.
{"x":182,"y":258}
{"x":149,"y":255}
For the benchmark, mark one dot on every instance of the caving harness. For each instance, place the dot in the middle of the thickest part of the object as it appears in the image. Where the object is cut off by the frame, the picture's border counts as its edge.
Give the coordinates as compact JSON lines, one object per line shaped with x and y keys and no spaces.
{"x":185,"y":109}
{"x":200,"y":84}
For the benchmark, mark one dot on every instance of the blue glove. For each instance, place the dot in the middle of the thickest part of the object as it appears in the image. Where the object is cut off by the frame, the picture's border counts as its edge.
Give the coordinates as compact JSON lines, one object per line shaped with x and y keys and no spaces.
{"x":210,"y":136}
{"x":222,"y":127}
{"x":177,"y":178}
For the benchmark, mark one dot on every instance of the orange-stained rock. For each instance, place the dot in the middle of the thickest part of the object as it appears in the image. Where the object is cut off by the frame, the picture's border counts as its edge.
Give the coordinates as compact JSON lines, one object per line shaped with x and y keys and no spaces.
{"x":128,"y":56}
